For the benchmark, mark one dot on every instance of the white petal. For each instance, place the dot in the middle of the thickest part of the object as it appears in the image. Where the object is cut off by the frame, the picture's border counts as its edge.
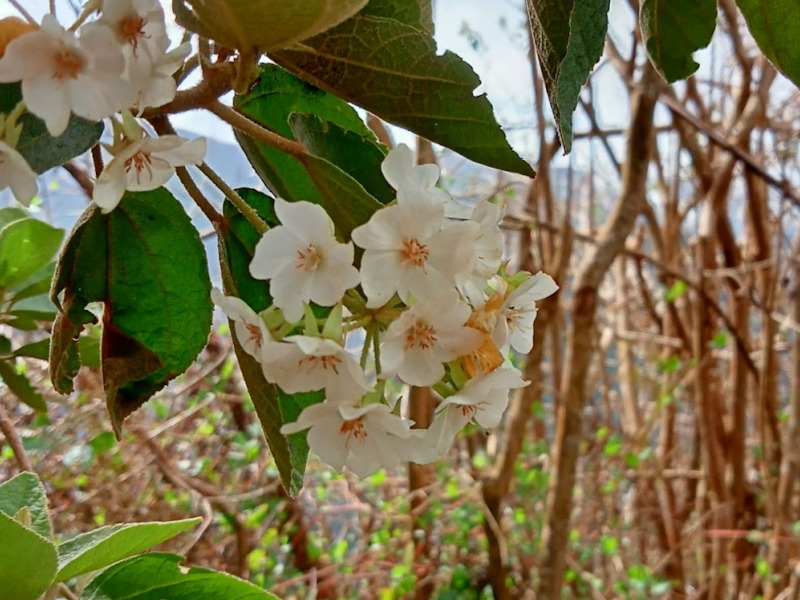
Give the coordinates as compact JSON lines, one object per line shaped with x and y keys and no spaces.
{"x":16,"y":174}
{"x":452,"y":248}
{"x":178,"y":152}
{"x":380,"y":232}
{"x":491,"y":413}
{"x":308,"y":222}
{"x":420,"y":368}
{"x":380,"y":273}
{"x":397,"y":164}
{"x":27,"y":55}
{"x":48,"y":101}
{"x":329,"y":445}
{"x":535,"y":288}
{"x":276,"y":249}
{"x":290,"y":290}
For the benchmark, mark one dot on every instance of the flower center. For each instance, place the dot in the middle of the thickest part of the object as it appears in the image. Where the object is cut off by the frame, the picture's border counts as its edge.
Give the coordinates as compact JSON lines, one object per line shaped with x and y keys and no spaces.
{"x":468,"y":410}
{"x":421,"y":335}
{"x":414,"y":253}
{"x":309,"y":258}
{"x":330,"y":361}
{"x":68,"y":64}
{"x":516,"y":317}
{"x":131,"y":29}
{"x":353,"y":429}
{"x":255,"y":334}
{"x":140,"y":162}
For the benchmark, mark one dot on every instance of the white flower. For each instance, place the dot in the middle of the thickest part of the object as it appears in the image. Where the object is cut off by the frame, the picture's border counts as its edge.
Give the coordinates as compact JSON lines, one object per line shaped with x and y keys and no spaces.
{"x":414,"y":183}
{"x":487,"y":252}
{"x":363,"y":439}
{"x":483,"y":399}
{"x":61,"y":73}
{"x":303,"y":364}
{"x":138,"y":25}
{"x":411,"y":250}
{"x":425,"y":336}
{"x":515,"y":325}
{"x":15,"y":173}
{"x":143,"y":165}
{"x":141,"y":31}
{"x":422,"y":446}
{"x":303,"y":260}
{"x":152,"y":77}
{"x":250,"y":330}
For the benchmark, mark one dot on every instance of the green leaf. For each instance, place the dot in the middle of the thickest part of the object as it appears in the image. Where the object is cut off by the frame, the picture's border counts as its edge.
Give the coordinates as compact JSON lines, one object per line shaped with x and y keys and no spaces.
{"x":26,"y":246}
{"x":276,"y":96}
{"x":569,"y":37}
{"x":345,"y":200}
{"x":146,"y":263}
{"x":678,"y":289}
{"x":356,"y":155}
{"x":99,"y":548}
{"x":673,"y":30}
{"x":26,"y":491}
{"x":11,"y":214}
{"x":160,"y":576}
{"x":238,"y":244}
{"x":392,"y":69}
{"x":290,"y":453}
{"x":21,"y":387}
{"x":37,"y":284}
{"x":774,"y":24}
{"x":37,"y":146}
{"x":27,"y":561}
{"x":40,"y":350}
{"x":265,"y":25}
{"x":38,"y":307}
{"x":416,"y":13}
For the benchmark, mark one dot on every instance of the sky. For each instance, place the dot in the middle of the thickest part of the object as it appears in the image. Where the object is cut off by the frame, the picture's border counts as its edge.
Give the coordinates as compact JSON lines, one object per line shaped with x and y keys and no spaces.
{"x":492,"y":38}
{"x":500,"y":59}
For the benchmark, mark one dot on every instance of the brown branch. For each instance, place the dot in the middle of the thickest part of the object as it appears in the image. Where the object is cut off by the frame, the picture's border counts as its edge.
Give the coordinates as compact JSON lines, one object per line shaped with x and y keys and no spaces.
{"x":80,"y":176}
{"x":197,"y":196}
{"x":209,"y":492}
{"x":667,"y":270}
{"x":580,"y":349}
{"x":217,"y":81}
{"x":12,"y":437}
{"x":256,"y":131}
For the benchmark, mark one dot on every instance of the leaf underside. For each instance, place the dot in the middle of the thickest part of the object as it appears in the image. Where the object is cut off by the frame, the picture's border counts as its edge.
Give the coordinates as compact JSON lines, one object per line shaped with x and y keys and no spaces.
{"x":569,"y":37}
{"x":392,"y":69}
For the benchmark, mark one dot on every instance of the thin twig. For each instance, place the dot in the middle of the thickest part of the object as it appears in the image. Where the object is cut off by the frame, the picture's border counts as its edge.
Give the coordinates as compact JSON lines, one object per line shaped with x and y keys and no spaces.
{"x":13,"y":439}
{"x":66,"y":592}
{"x":243,"y":207}
{"x":97,"y":160}
{"x":194,"y":192}
{"x":256,"y":131}
{"x":80,"y":176}
{"x":23,"y":12}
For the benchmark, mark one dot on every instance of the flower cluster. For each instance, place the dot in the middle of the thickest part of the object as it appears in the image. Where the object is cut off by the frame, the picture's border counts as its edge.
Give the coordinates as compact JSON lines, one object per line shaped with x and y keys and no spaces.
{"x":431,"y":302}
{"x":114,"y":60}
